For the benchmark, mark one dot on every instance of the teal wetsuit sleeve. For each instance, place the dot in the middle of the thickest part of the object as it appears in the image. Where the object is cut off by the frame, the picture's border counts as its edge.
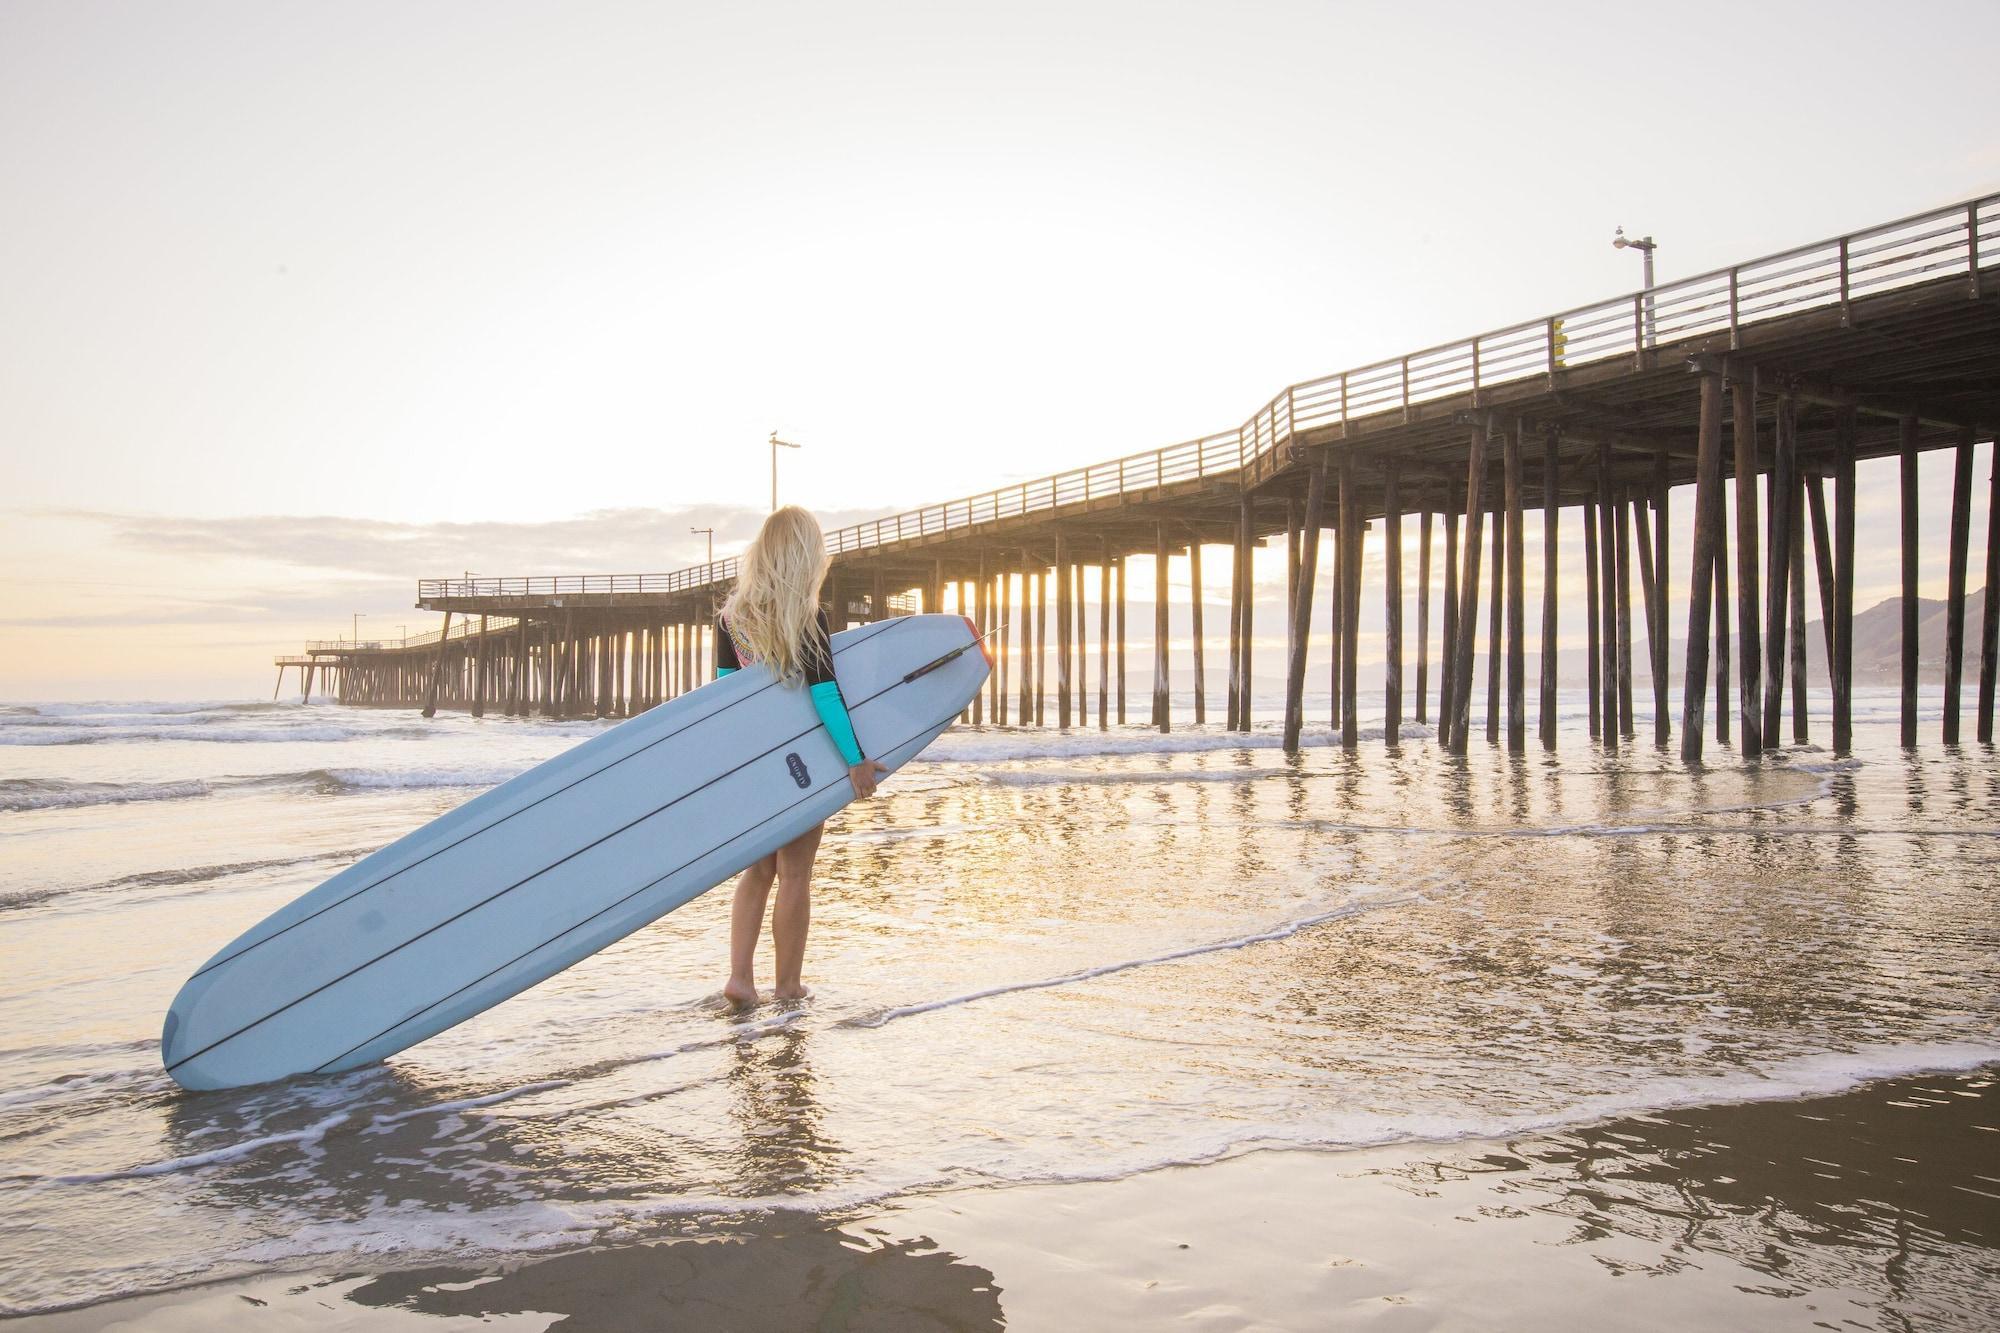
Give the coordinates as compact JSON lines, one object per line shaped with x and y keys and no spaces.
{"x":832,"y":710}
{"x":825,"y":690}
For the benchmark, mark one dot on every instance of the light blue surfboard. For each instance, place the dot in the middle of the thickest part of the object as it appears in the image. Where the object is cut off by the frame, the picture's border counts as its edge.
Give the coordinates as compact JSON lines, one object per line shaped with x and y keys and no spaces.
{"x":546,"y":869}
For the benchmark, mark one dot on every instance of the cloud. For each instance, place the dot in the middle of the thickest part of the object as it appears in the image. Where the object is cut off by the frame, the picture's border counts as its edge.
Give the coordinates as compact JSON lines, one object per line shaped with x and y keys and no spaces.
{"x":630,"y":540}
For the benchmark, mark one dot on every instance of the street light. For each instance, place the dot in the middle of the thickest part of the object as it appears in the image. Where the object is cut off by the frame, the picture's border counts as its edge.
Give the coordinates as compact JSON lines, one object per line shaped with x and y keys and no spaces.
{"x":710,"y":533}
{"x":357,"y":629}
{"x":1645,"y":245}
{"x":777,"y":444}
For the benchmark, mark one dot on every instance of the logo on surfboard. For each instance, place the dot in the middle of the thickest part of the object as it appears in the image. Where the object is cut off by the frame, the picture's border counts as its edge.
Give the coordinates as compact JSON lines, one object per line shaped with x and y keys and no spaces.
{"x":798,"y":767}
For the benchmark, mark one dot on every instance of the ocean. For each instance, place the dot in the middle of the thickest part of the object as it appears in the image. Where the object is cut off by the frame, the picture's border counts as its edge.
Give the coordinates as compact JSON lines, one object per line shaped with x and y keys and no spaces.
{"x":1037,"y":957}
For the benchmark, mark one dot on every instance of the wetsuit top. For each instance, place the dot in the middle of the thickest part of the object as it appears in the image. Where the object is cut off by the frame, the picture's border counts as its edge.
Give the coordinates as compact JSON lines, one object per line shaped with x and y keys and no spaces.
{"x":825,"y":690}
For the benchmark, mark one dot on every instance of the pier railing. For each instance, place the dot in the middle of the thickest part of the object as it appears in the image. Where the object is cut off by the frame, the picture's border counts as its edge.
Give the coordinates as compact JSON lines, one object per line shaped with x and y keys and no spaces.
{"x":464,"y":629}
{"x":1961,"y":238}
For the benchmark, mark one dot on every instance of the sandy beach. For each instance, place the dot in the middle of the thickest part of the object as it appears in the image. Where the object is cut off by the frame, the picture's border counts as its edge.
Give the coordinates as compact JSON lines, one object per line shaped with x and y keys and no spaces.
{"x":1876,"y":1208}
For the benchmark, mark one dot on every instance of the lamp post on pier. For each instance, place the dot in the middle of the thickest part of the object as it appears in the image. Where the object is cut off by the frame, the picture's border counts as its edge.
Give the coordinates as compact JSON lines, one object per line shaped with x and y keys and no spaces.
{"x":357,"y":628}
{"x":777,"y":444}
{"x":1645,"y":245}
{"x":710,"y":534}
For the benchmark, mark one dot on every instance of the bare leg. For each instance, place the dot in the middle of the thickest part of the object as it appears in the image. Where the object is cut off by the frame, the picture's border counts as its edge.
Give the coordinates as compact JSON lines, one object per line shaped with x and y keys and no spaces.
{"x":746,"y":922}
{"x":792,"y":916}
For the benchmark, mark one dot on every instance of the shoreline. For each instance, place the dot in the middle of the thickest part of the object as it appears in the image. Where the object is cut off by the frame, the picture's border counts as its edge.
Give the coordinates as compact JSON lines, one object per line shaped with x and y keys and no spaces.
{"x":1848,"y":1208}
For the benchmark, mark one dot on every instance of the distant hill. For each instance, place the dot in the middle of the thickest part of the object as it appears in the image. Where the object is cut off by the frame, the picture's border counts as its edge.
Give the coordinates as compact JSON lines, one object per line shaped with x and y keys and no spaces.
{"x":1878,"y":641}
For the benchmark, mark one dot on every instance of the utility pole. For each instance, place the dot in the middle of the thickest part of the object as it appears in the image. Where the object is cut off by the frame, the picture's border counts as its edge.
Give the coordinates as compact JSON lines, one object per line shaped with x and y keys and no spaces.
{"x":777,"y":444}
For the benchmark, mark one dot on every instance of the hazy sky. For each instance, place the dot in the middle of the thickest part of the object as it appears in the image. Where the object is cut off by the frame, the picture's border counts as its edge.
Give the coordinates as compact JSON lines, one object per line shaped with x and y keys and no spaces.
{"x":299,"y":303}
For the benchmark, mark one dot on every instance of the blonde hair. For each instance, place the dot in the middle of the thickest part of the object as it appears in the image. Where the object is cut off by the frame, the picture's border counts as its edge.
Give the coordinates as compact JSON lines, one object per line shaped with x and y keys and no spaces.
{"x":772,"y":609}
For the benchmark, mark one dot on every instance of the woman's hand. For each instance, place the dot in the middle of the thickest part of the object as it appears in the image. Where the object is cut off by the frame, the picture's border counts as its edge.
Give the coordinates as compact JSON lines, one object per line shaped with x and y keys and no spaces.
{"x":864,"y":776}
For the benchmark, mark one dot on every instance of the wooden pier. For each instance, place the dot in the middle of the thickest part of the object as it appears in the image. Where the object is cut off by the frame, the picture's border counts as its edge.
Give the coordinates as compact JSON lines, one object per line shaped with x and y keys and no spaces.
{"x":1765,"y":381}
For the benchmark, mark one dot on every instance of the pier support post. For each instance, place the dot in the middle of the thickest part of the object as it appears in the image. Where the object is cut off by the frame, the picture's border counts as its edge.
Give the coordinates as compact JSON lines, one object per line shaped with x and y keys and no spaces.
{"x":1749,"y":714}
{"x":1235,"y":696}
{"x":1246,"y":559}
{"x":1424,"y":612}
{"x":1551,"y":514}
{"x":1194,"y":586}
{"x":1448,"y":639}
{"x":1119,"y":612}
{"x":1299,"y":609}
{"x":1004,"y":637}
{"x":1797,"y":602}
{"x":1162,"y":698}
{"x":1041,"y":643}
{"x":1104,"y":637}
{"x":1627,"y":728}
{"x":1593,"y":646}
{"x":1954,"y":625}
{"x":983,"y":613}
{"x":1496,"y":609}
{"x":1777,"y":616}
{"x":437,"y":669}
{"x":1989,"y":609}
{"x":1608,"y":529}
{"x":1080,"y":640}
{"x":1724,"y":608}
{"x":1065,"y":621}
{"x":1465,"y":630}
{"x":1392,"y":605}
{"x":1517,"y":629}
{"x":479,"y":674}
{"x":1841,"y":669}
{"x":1649,"y":592}
{"x":1907,"y":455}
{"x":1027,"y":700}
{"x":1660,"y":635}
{"x":1349,"y":567}
{"x":1703,"y":581}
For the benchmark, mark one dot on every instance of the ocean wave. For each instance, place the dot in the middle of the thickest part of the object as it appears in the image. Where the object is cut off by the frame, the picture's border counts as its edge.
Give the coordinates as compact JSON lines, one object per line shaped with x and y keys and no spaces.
{"x":55,"y":794}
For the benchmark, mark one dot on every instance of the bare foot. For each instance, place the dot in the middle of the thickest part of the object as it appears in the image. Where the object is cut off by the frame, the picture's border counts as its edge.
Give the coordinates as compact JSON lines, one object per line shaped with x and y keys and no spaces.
{"x":798,"y":992}
{"x":740,"y":994}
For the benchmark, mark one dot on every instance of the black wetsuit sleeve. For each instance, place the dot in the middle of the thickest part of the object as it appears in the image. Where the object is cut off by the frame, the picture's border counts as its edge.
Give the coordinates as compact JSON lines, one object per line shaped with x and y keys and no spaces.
{"x":726,"y":660}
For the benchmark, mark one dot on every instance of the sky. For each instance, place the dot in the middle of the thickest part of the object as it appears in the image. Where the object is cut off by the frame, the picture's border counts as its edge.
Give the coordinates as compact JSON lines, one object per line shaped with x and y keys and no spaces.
{"x":300,"y":303}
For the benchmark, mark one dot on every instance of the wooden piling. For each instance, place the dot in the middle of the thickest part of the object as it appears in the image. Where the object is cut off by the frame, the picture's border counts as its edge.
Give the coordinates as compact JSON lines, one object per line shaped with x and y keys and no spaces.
{"x":1593,"y":647}
{"x":1908,"y":457}
{"x":479,"y":674}
{"x":1304,"y":560}
{"x":1841,"y":668}
{"x":1801,"y":726}
{"x":1465,"y":630}
{"x":1027,"y":702}
{"x":1424,"y":613}
{"x":1777,"y":616}
{"x":1701,"y":581}
{"x":1989,"y":611}
{"x":1749,"y":712}
{"x":1724,"y":608}
{"x":1627,"y":728}
{"x":1663,"y":728}
{"x":1517,"y":630}
{"x":1551,"y":512}
{"x":1161,"y":698}
{"x":1246,"y":554}
{"x":1954,"y":625}
{"x":1064,"y":622}
{"x":1080,"y":641}
{"x":1001,"y":643}
{"x":1119,"y":611}
{"x":1194,"y":581}
{"x":1448,"y":640}
{"x":1104,"y":639}
{"x":1041,"y":643}
{"x":1235,"y":695}
{"x":437,"y":669}
{"x":1349,"y":546}
{"x":1649,"y":591}
{"x":1392,"y":606}
{"x":1496,"y":610}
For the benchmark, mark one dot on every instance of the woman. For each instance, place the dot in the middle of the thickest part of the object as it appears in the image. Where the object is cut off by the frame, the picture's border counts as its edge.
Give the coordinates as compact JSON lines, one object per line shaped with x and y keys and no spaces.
{"x":774,"y":617}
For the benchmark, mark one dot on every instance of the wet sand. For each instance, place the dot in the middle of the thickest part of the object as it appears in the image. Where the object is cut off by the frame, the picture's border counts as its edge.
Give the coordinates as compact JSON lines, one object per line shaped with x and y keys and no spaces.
{"x":1877,"y":1208}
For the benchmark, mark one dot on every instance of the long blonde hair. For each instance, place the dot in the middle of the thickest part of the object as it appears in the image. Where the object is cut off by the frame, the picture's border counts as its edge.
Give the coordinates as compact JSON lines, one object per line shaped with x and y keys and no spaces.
{"x":776,"y":598}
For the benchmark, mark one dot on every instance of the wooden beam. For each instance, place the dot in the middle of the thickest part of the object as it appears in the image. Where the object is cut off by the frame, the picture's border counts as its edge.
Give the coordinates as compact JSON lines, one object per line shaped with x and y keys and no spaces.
{"x":1649,"y":592}
{"x":437,"y":668}
{"x":1162,"y":697}
{"x":1593,"y":605}
{"x":1120,"y":612}
{"x":1392,"y":606}
{"x":1517,"y":703}
{"x":1841,"y":669}
{"x":1607,"y":551}
{"x":1627,"y":726}
{"x":1749,"y":703}
{"x":1448,"y":640}
{"x":1349,"y":569}
{"x":1708,"y":519}
{"x":1801,"y":725}
{"x":1104,"y":637}
{"x":1468,"y":604}
{"x":1954,"y":626}
{"x":1423,"y":612}
{"x":1194,"y":582}
{"x":1989,"y":611}
{"x":1304,"y":558}
{"x":1908,"y":442}
{"x":1065,"y":619}
{"x":1777,"y":617}
{"x":1551,"y":514}
{"x":1240,"y":548}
